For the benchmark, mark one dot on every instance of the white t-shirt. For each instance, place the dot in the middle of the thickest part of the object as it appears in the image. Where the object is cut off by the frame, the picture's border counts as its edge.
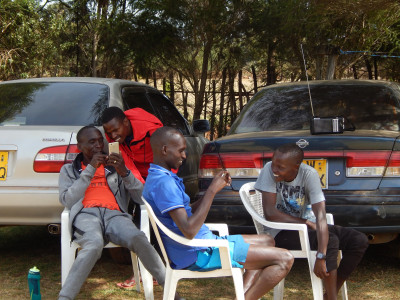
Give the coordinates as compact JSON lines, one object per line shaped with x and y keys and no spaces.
{"x":291,"y":197}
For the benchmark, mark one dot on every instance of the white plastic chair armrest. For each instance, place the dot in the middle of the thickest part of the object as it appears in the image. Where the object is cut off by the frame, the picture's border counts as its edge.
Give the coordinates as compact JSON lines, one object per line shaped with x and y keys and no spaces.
{"x":144,"y":221}
{"x":275,"y":225}
{"x":329,"y":219}
{"x":221,"y":228}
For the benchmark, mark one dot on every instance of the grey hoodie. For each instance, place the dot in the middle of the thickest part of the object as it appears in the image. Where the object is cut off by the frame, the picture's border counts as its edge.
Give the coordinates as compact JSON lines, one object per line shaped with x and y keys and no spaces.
{"x":73,"y":182}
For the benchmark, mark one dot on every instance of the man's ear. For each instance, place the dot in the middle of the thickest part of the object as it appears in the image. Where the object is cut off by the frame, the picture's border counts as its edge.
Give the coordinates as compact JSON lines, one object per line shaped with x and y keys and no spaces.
{"x":125,"y":122}
{"x":164,"y":150}
{"x":79,"y":147}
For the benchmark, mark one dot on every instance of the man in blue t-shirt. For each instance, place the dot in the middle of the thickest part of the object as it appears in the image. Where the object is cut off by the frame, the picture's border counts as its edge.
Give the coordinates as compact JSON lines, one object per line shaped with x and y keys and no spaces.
{"x":265,"y":265}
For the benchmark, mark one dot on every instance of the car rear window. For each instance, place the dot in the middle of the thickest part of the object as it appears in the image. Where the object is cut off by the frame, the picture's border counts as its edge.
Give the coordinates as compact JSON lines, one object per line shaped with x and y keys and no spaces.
{"x":371,"y":107}
{"x":52,"y":103}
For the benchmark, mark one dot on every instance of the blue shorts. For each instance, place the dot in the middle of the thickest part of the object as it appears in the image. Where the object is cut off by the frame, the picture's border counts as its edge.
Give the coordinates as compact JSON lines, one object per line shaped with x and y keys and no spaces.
{"x":209,"y":259}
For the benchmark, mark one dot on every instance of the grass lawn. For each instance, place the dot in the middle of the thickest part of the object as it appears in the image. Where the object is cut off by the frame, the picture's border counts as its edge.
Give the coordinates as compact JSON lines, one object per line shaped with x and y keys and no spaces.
{"x":22,"y":247}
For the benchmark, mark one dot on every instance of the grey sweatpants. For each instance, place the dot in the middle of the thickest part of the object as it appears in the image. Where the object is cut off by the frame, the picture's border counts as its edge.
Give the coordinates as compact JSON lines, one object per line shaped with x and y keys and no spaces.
{"x":95,"y":228}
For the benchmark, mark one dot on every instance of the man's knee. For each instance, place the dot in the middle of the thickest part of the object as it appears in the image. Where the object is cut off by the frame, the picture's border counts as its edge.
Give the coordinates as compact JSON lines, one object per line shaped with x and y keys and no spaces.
{"x":94,"y":246}
{"x":268,"y":240}
{"x":286,"y":259}
{"x":138,"y":241}
{"x":360,"y":241}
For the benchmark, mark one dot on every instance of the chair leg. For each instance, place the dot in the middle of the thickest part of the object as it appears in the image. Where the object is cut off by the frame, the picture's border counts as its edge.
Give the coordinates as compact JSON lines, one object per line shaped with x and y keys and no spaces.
{"x":147,"y":281}
{"x":279,"y":289}
{"x":170,"y":285}
{"x":135,"y":268}
{"x":237,"y":277}
{"x":68,"y":252}
{"x":317,"y":286}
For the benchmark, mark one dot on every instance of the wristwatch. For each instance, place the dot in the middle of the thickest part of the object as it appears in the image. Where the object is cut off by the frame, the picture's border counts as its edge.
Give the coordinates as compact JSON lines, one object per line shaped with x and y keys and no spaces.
{"x":320,"y":255}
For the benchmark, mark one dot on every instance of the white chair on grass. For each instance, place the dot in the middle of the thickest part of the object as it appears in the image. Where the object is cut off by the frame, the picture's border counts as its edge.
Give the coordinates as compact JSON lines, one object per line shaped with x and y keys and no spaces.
{"x":252,"y":201}
{"x":68,"y":253}
{"x":173,"y":276}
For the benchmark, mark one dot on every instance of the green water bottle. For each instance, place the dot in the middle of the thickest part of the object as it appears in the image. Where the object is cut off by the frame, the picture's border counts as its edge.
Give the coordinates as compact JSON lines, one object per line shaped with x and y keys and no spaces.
{"x":34,"y":284}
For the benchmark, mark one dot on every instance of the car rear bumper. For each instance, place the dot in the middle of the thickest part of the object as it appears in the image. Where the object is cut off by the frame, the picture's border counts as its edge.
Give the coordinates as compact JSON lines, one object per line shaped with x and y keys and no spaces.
{"x":367,"y":211}
{"x":29,"y":206}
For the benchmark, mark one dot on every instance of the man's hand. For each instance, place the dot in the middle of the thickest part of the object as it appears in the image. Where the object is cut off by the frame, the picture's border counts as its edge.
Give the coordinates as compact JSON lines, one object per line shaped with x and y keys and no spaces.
{"x":220,"y":180}
{"x":320,"y":268}
{"x":311,"y":225}
{"x":98,"y":159}
{"x":116,"y":160}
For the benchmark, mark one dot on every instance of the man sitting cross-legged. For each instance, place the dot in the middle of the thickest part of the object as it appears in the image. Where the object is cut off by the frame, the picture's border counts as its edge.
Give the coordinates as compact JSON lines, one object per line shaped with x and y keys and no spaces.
{"x":265,"y":265}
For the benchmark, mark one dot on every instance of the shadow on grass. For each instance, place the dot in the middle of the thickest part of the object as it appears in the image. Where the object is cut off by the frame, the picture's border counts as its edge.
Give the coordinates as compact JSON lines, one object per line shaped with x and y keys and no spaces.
{"x":22,"y":247}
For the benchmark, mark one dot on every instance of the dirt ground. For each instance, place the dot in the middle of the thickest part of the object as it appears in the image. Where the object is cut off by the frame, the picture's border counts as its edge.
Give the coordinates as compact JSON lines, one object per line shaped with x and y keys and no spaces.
{"x":377,"y":277}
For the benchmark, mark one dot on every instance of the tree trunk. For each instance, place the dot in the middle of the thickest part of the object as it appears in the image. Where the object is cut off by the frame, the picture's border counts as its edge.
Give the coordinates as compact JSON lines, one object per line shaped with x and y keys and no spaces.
{"x":319,"y":63}
{"x":214,"y":106}
{"x":199,"y":100}
{"x":332,"y":59}
{"x":164,"y":86}
{"x":369,"y":68}
{"x":355,"y":75}
{"x":240,"y":90}
{"x":155,"y":79}
{"x":184,"y":97}
{"x":232,"y":98}
{"x":171,"y":87}
{"x":221,"y":104}
{"x":205,"y":105}
{"x":375,"y":68}
{"x":253,"y":70}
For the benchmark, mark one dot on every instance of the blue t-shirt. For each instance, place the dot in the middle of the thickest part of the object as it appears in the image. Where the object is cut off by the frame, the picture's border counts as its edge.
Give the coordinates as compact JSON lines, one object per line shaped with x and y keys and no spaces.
{"x":165,"y":191}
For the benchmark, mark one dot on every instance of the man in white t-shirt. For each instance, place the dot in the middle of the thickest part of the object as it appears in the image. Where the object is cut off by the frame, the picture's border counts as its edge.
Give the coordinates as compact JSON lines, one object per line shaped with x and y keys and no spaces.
{"x":287,"y":187}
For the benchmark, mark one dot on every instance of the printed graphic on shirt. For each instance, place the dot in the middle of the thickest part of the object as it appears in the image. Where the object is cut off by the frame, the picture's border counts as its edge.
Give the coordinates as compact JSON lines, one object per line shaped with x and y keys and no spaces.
{"x":293,"y":198}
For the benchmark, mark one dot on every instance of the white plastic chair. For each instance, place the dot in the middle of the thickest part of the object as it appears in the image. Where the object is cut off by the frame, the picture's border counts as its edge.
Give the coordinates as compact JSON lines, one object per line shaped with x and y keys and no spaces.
{"x":68,"y":253}
{"x":173,"y":276}
{"x":252,"y":201}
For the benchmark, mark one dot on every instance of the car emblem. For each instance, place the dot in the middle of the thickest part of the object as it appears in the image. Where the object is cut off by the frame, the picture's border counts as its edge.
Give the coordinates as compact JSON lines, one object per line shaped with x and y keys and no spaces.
{"x":302,"y":143}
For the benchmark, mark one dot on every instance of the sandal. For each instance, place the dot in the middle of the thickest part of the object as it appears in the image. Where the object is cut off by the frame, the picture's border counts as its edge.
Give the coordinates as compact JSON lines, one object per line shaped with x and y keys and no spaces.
{"x":130,"y":283}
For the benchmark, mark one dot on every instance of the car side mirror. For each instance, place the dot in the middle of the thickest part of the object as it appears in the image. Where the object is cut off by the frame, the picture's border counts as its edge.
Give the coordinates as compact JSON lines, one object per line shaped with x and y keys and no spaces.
{"x":330,"y":125}
{"x":201,"y":126}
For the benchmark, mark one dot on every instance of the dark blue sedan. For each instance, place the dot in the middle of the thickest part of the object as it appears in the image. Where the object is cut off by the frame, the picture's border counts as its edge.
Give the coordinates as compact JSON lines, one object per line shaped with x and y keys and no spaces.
{"x":359,"y":169}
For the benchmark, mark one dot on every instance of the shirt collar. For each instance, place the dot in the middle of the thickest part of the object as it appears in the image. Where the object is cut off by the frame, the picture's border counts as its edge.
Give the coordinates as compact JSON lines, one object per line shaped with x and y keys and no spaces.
{"x":154,"y":167}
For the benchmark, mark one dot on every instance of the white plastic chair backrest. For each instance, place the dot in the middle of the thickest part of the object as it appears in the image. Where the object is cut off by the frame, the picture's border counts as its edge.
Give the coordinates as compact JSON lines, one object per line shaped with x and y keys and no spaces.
{"x":157,"y":225}
{"x":154,"y":222}
{"x":252,"y":200}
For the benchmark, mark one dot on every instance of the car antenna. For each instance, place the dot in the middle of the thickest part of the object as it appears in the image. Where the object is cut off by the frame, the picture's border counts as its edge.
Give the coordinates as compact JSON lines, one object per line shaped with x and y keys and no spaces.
{"x":308,"y":84}
{"x":222,"y":164}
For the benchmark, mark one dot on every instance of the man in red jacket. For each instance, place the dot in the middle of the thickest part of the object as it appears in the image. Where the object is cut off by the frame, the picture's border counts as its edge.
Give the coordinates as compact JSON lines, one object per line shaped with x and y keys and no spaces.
{"x":132,"y":130}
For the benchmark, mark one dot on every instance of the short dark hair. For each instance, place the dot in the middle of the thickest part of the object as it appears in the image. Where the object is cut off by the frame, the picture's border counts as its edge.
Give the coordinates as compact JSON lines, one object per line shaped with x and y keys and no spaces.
{"x":292,"y":150}
{"x":111,"y":113}
{"x":160,"y":135}
{"x":82,"y":130}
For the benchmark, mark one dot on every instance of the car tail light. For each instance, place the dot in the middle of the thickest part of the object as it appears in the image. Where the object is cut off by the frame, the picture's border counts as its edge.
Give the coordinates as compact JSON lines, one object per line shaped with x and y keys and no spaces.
{"x":393,"y":169}
{"x":239,"y":165}
{"x":366,"y":163}
{"x":51,"y":159}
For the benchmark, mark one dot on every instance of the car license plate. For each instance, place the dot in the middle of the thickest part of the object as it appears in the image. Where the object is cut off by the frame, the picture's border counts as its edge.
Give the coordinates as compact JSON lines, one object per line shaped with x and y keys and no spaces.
{"x":3,"y":165}
{"x":321,"y":166}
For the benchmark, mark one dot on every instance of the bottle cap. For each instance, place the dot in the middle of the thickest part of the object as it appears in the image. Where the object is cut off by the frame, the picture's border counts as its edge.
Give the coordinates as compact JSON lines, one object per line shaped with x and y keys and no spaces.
{"x":34,"y":269}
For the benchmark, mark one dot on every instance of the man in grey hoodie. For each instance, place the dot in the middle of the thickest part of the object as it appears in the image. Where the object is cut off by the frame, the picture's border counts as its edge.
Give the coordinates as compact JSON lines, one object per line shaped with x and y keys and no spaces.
{"x":97,"y":189}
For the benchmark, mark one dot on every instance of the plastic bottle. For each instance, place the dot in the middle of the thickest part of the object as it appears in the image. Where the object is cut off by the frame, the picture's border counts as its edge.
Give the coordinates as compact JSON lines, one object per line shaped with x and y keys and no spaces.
{"x":34,"y":284}
{"x":309,"y":214}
